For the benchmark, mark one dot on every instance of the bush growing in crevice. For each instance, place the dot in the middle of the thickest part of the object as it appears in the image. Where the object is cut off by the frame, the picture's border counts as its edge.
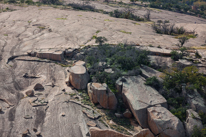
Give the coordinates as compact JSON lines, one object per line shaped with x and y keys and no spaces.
{"x":176,"y":55}
{"x":169,"y":29}
{"x":127,"y":14}
{"x":124,"y":60}
{"x":180,"y":113}
{"x":82,"y":7}
{"x":199,"y":132}
{"x":153,"y":82}
{"x":174,"y":79}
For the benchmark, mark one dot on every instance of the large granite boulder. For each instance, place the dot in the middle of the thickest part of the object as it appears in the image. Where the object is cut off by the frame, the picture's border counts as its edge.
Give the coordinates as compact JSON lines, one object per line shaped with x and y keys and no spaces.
{"x":96,"y":132}
{"x":139,"y":97}
{"x":193,"y":119}
{"x":78,"y":77}
{"x":163,"y":123}
{"x":100,"y":93}
{"x":144,"y":133}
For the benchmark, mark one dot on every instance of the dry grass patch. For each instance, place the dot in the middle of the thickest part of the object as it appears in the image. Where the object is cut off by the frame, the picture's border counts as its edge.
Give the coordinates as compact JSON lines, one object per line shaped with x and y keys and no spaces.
{"x":125,"y":32}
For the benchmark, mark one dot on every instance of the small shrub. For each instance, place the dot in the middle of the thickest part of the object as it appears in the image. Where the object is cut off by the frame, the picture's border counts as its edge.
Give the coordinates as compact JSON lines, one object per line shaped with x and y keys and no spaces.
{"x":197,"y":55}
{"x":175,"y":55}
{"x":29,"y":2}
{"x":176,"y":102}
{"x":11,"y":1}
{"x":153,"y":82}
{"x":82,"y":7}
{"x":173,"y":80}
{"x":168,"y":29}
{"x":127,"y":14}
{"x":100,"y":40}
{"x":180,"y":113}
{"x":198,"y":132}
{"x":203,"y":117}
{"x":159,"y":47}
{"x":183,"y":40}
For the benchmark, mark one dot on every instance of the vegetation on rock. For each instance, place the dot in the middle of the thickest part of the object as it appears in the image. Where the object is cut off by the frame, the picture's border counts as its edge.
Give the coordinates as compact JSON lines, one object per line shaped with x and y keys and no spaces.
{"x":122,"y":59}
{"x":153,"y":82}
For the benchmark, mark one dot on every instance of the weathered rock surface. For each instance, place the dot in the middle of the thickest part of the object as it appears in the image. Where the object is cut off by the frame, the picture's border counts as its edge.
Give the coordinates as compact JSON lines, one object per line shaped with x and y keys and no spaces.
{"x":96,"y":132}
{"x":193,"y":119}
{"x":139,"y":97}
{"x":144,"y":133}
{"x":79,"y":76}
{"x":162,"y":122}
{"x":30,"y":93}
{"x":100,"y":93}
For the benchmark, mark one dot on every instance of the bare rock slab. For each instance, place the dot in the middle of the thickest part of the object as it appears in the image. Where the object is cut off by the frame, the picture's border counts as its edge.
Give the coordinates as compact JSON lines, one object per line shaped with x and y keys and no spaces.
{"x":96,"y":132}
{"x":139,"y":97}
{"x":100,"y":93}
{"x":78,"y":77}
{"x":193,"y":119}
{"x":163,"y":123}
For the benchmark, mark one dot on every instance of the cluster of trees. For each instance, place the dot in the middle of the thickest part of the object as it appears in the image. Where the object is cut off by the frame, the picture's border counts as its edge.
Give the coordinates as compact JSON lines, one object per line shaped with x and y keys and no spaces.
{"x":194,"y":7}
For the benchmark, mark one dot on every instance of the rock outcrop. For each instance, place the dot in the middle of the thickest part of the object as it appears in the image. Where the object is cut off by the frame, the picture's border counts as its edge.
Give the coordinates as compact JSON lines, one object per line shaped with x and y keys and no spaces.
{"x":163,"y":123}
{"x":196,"y":102}
{"x":78,"y":77}
{"x":100,"y":93}
{"x":139,"y":97}
{"x":193,"y":119}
